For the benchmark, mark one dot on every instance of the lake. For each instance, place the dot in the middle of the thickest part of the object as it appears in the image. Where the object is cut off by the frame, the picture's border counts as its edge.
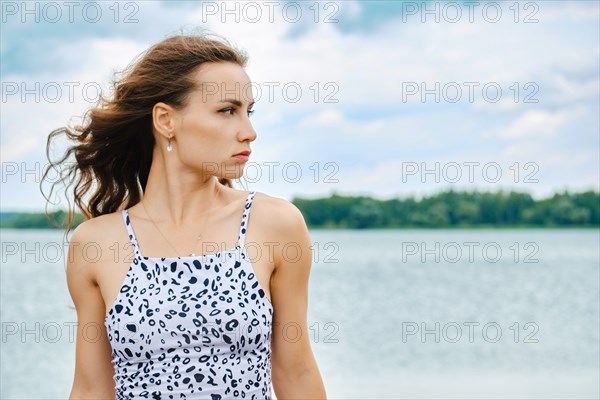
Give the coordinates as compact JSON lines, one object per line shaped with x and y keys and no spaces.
{"x":392,"y":314}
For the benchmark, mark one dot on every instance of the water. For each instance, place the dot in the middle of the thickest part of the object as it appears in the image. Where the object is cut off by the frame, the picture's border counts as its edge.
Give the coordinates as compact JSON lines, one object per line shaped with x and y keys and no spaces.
{"x":386,"y":319}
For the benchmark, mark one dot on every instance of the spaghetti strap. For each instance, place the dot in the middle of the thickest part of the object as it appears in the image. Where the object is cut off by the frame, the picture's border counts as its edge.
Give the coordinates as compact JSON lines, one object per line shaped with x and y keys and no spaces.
{"x":132,"y":237}
{"x":244,"y":224}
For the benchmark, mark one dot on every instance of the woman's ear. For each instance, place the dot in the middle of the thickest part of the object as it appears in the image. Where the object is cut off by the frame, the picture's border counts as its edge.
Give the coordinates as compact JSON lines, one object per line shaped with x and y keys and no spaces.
{"x":163,"y":119}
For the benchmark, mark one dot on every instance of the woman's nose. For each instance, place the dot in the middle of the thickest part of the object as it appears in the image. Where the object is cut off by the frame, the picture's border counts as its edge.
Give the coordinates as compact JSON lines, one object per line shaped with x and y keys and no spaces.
{"x":247,"y":132}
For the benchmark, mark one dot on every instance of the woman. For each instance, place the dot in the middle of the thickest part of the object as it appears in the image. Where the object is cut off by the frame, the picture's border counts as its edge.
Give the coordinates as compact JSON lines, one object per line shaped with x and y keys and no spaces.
{"x":186,"y":295}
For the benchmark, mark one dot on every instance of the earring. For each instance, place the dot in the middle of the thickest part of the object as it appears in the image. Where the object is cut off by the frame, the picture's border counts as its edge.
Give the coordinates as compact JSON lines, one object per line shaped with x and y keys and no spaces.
{"x":169,"y":147}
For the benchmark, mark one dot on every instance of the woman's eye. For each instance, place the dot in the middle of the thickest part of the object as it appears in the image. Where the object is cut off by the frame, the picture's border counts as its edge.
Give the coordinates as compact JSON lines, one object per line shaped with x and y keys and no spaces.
{"x":231,"y":110}
{"x":226,"y":110}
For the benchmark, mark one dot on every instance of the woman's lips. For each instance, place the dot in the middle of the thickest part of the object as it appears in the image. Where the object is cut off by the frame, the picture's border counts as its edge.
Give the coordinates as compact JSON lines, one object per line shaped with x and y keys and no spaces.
{"x":242,"y":157}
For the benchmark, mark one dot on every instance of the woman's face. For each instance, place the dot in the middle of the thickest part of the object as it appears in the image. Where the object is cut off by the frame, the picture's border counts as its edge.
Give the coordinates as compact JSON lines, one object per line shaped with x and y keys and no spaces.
{"x":214,"y":126}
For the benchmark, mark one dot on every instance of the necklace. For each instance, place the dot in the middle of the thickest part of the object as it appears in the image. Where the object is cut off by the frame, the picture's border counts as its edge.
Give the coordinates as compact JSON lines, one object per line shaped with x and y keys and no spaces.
{"x":192,"y":254}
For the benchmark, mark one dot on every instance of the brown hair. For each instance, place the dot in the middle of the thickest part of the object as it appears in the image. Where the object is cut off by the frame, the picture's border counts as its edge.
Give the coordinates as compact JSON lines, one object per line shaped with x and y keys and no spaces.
{"x":113,"y":147}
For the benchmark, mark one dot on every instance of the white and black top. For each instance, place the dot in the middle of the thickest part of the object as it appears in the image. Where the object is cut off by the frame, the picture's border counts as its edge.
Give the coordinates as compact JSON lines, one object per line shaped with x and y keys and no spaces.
{"x":196,"y":327}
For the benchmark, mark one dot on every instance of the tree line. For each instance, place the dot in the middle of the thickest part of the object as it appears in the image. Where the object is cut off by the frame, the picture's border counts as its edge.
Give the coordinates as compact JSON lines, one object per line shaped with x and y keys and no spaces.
{"x":453,"y":209}
{"x":448,"y":209}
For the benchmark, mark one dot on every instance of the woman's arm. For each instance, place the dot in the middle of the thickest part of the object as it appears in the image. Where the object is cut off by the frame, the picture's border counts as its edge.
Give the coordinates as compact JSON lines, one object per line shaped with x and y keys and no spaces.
{"x":93,"y":367}
{"x":294,"y":369}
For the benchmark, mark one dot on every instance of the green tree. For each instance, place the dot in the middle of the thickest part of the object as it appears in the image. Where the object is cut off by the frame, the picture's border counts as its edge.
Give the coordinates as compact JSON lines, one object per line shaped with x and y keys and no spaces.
{"x":366,"y":214}
{"x":466,"y":212}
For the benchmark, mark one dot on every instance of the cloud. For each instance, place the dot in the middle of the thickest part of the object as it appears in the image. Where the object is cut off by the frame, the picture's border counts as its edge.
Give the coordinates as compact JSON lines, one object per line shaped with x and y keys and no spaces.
{"x":326,"y":118}
{"x":17,"y":147}
{"x":537,"y":124}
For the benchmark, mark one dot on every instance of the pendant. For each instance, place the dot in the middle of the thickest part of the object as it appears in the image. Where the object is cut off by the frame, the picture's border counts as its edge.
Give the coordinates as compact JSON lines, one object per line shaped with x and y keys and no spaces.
{"x":192,"y":255}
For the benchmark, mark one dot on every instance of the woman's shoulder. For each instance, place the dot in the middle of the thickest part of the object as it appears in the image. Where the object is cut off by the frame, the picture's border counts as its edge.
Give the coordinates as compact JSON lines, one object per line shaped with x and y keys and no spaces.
{"x":279,"y":222}
{"x":98,"y":228}
{"x":95,"y":242}
{"x":275,"y":212}
{"x":103,"y":220}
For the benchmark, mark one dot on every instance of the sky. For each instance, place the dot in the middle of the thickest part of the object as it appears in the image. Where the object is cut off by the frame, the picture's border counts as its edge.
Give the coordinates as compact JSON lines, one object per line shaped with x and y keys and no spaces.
{"x":379,"y":98}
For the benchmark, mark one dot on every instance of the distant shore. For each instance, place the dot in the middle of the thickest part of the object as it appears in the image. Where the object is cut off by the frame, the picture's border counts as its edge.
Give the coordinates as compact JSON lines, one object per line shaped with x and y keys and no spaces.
{"x":446,"y":210}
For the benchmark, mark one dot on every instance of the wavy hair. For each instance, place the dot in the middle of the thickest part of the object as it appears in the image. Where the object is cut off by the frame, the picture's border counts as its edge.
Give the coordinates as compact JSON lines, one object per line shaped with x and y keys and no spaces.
{"x":113,"y":146}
